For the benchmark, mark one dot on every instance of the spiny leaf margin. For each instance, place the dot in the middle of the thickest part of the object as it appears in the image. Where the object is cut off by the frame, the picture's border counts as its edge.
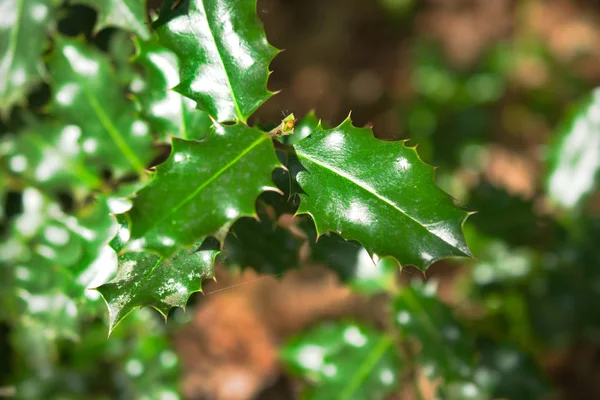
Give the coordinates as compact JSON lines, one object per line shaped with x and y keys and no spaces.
{"x":349,"y":155}
{"x":224,"y":54}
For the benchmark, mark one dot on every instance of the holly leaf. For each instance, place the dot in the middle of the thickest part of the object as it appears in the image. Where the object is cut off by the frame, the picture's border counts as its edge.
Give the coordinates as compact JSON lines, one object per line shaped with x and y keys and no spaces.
{"x":446,"y":349}
{"x":146,"y":279}
{"x":166,"y":110}
{"x":224,"y":54}
{"x":53,"y":156}
{"x":378,"y":193}
{"x":344,"y":361}
{"x":22,"y":42}
{"x":203,"y":187}
{"x":87,"y":95}
{"x":574,"y":156}
{"x":129,"y":15}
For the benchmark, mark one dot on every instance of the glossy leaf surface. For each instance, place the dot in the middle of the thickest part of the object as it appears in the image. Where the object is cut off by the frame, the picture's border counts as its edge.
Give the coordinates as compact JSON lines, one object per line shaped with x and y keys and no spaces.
{"x":168,"y":111}
{"x":224,"y":54}
{"x":146,"y":279}
{"x":378,"y":193}
{"x":574,"y":159}
{"x":87,"y":94}
{"x":446,"y":349}
{"x":23,"y":28}
{"x":203,"y":187}
{"x":344,"y":361}
{"x":129,"y":15}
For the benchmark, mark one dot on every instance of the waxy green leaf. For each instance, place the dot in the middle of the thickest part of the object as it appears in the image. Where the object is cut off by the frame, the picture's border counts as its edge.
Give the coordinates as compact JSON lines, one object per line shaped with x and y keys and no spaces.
{"x":344,"y":361}
{"x":224,"y":54}
{"x":574,"y":159}
{"x":23,"y":28}
{"x":146,"y":279}
{"x":378,"y":193}
{"x":52,"y":156}
{"x":166,"y":110}
{"x":203,"y":187}
{"x":87,"y":94}
{"x":129,"y":15}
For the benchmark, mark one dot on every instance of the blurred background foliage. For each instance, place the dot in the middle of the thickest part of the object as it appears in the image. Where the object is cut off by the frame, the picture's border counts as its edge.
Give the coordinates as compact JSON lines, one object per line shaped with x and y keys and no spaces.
{"x":498,"y":94}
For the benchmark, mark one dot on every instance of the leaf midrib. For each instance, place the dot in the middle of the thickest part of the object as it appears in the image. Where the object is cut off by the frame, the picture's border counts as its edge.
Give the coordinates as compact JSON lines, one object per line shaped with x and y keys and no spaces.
{"x":236,"y":106}
{"x":114,"y":133}
{"x":367,"y":366}
{"x":366,"y":187}
{"x":211,"y":179}
{"x":76,"y":167}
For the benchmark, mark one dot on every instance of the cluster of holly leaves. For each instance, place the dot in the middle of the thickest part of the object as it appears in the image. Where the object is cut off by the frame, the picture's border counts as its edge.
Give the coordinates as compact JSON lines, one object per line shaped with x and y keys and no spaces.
{"x":126,"y":169}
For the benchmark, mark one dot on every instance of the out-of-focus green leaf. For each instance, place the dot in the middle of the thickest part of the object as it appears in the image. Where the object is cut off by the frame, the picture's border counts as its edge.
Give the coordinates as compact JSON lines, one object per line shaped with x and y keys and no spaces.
{"x":203,"y":187}
{"x":508,"y":373}
{"x":378,"y":193}
{"x":446,"y":349}
{"x":351,"y":261}
{"x":146,"y":279}
{"x":224,"y":54}
{"x":86,"y":94}
{"x":121,"y":49}
{"x":52,"y":156}
{"x":52,"y":258}
{"x":22,"y":41}
{"x":251,"y":243}
{"x":509,"y":218}
{"x":129,"y":15}
{"x":168,"y":111}
{"x":344,"y":361}
{"x":61,"y":239}
{"x":499,"y":263}
{"x":574,"y":157}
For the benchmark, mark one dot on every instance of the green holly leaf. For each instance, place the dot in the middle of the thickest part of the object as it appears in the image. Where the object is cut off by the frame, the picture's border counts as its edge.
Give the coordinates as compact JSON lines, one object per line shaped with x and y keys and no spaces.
{"x":25,"y":24}
{"x":129,"y":15}
{"x":52,"y":156}
{"x":87,"y":95}
{"x":166,"y":110}
{"x":203,"y":187}
{"x":146,"y":279}
{"x":344,"y":361}
{"x":446,"y":349}
{"x":378,"y":193}
{"x":224,"y":54}
{"x":574,"y":157}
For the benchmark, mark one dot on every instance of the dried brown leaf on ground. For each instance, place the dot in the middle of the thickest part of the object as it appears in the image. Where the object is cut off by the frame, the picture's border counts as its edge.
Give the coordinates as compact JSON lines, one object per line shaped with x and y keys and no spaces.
{"x":229,"y":350}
